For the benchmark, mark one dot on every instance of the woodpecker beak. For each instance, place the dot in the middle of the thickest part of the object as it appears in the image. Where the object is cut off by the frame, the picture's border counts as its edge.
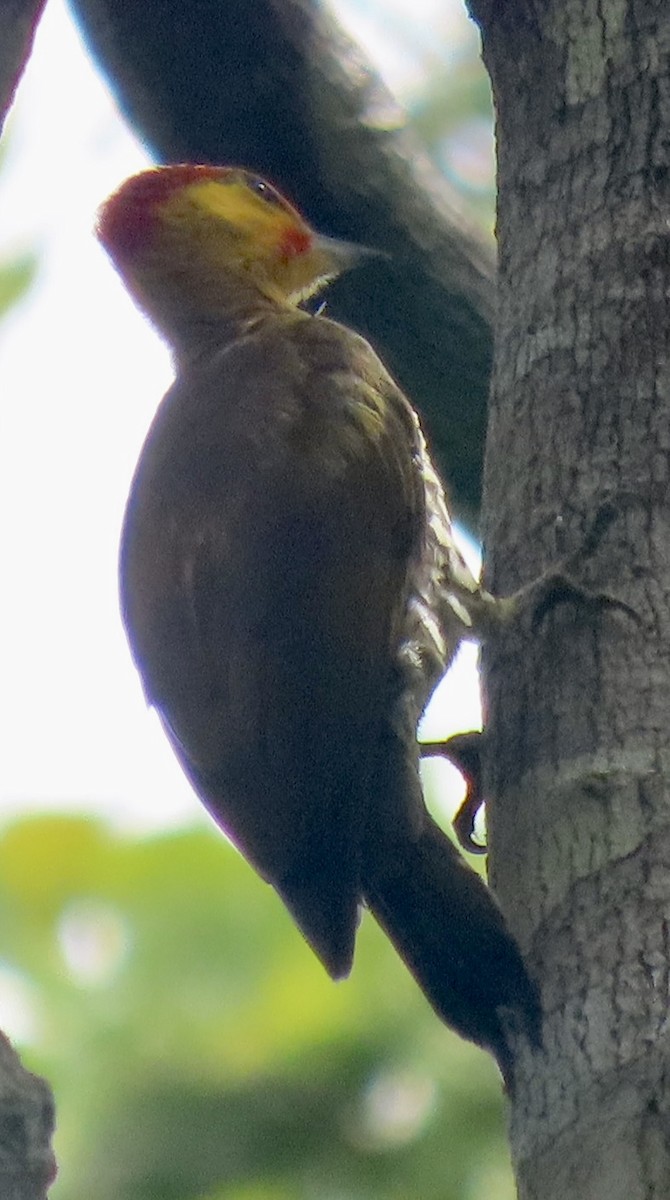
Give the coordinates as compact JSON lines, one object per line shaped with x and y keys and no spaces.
{"x":343,"y":256}
{"x":328,"y":257}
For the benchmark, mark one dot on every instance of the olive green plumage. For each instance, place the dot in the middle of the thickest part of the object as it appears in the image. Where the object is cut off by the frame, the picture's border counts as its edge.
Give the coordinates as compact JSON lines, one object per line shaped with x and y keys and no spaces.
{"x":292,"y":593}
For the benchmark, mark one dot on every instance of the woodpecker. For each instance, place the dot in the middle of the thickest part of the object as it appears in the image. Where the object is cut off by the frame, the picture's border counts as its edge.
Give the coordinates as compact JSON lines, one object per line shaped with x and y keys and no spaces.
{"x":292,"y":591}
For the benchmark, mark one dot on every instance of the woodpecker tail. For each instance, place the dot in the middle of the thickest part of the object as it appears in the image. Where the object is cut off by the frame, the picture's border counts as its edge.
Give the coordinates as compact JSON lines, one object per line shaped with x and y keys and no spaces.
{"x":449,"y":931}
{"x":324,"y":906}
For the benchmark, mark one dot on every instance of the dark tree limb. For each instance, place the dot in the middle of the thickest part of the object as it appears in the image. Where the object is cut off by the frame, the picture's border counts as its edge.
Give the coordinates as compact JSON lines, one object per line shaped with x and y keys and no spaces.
{"x":276,"y":86}
{"x":18,"y":22}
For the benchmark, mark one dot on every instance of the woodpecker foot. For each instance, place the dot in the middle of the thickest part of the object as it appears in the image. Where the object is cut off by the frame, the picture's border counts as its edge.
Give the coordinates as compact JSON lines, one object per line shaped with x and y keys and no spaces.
{"x":556,"y":586}
{"x":464,"y":751}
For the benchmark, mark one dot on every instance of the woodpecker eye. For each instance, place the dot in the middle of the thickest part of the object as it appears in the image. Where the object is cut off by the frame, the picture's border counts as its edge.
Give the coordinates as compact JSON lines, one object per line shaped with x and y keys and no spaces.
{"x":266,"y":192}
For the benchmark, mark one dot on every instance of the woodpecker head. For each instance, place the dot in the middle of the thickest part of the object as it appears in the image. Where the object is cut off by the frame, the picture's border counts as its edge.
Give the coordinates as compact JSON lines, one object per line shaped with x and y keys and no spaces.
{"x":211,"y":241}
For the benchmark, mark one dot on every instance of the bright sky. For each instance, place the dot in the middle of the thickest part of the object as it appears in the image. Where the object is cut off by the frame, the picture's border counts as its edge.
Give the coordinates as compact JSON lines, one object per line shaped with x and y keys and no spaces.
{"x":82,"y":373}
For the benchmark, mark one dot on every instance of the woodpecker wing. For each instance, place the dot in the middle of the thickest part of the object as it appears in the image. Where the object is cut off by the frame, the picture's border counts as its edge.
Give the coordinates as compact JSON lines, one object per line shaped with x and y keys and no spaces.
{"x":274,"y":516}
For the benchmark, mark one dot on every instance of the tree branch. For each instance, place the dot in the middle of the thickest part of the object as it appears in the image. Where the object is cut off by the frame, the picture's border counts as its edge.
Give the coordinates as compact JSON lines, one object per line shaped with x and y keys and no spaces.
{"x":18,"y":22}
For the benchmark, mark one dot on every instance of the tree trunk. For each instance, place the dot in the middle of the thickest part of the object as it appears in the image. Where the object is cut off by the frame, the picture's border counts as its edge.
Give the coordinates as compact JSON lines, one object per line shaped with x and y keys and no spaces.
{"x":578,"y":456}
{"x":27,"y":1164}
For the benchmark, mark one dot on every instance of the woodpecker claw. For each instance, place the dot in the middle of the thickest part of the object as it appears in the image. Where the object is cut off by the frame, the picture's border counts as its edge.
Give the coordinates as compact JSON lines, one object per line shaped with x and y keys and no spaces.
{"x":464,"y":822}
{"x":464,"y":751}
{"x":556,"y":587}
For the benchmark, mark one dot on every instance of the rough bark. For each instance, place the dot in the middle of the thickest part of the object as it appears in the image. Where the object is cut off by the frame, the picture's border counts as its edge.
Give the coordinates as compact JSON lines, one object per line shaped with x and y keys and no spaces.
{"x":18,"y":22}
{"x":27,"y":1164}
{"x":578,"y":455}
{"x":276,"y":86}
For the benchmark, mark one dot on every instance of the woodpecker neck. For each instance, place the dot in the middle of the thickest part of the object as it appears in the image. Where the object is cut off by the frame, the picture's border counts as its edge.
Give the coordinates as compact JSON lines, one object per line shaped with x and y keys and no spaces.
{"x":196,"y":312}
{"x":211,"y":335}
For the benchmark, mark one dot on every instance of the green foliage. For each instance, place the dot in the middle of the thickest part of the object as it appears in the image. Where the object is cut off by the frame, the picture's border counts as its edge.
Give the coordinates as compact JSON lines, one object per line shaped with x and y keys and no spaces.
{"x":16,"y":273}
{"x":197,"y":1049}
{"x":16,"y":276}
{"x":452,"y":113}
